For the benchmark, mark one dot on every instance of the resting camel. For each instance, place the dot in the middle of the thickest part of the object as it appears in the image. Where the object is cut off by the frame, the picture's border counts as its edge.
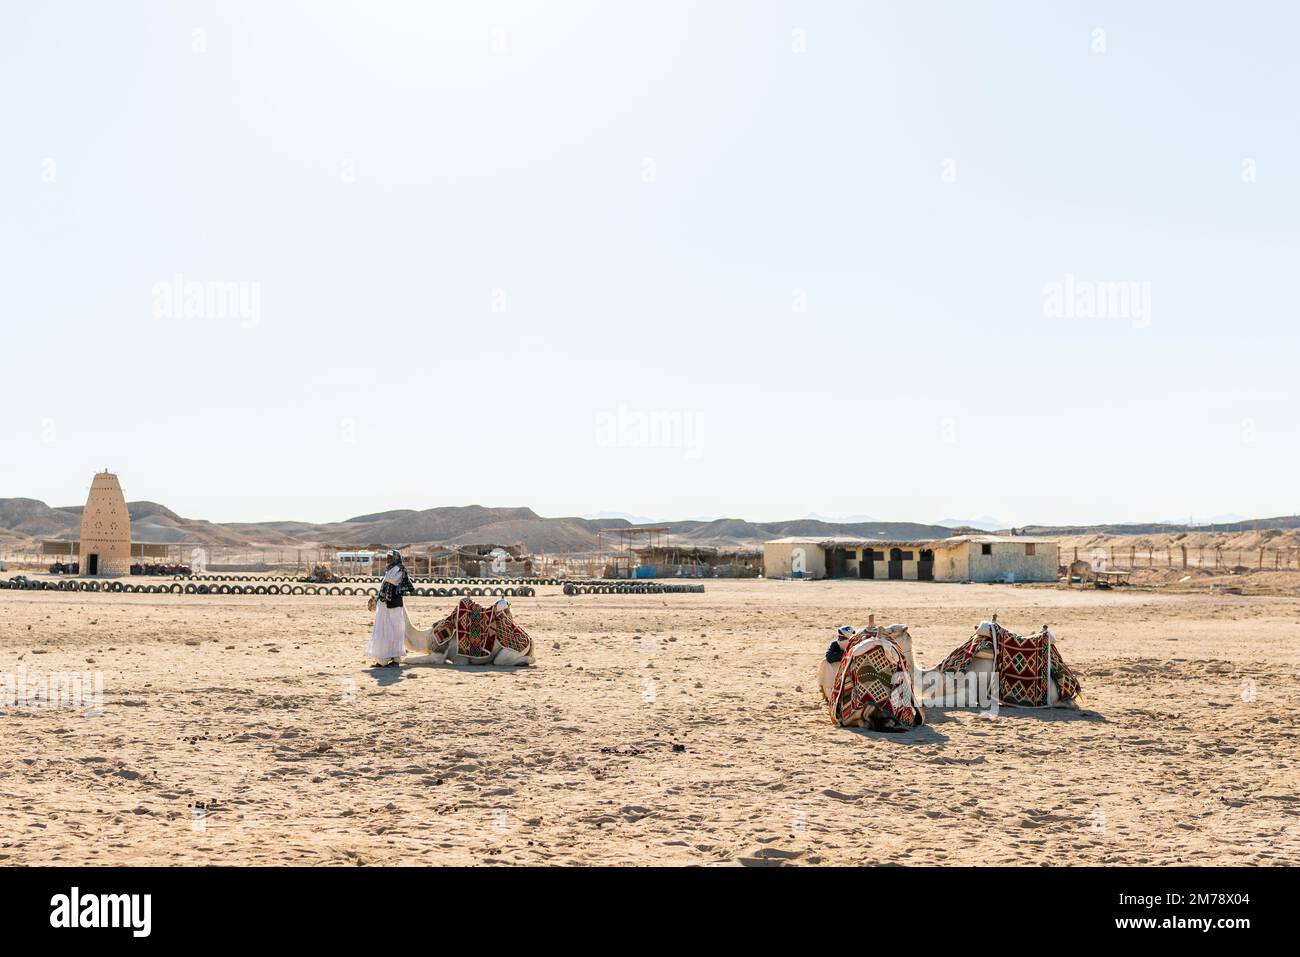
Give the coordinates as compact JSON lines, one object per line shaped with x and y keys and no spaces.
{"x":827,"y":670}
{"x":955,"y":689}
{"x":869,"y":686}
{"x":936,"y":688}
{"x":474,"y":635}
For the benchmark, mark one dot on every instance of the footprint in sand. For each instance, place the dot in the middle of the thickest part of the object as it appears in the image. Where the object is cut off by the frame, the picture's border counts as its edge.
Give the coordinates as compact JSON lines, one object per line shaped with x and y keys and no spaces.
{"x":840,"y":795}
{"x":769,"y":857}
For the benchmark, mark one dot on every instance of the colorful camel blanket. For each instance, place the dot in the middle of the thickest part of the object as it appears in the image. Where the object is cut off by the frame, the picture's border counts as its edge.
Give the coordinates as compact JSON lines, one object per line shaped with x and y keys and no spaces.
{"x":873,"y":674}
{"x":1024,"y":664}
{"x":480,"y":632}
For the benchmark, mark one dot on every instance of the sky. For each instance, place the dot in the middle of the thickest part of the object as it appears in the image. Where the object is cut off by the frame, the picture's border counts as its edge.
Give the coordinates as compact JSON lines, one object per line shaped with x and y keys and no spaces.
{"x":908,"y":260}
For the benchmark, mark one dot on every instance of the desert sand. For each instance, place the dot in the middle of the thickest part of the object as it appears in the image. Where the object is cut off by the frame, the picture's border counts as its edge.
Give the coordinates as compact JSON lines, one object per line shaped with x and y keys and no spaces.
{"x":654,"y":729}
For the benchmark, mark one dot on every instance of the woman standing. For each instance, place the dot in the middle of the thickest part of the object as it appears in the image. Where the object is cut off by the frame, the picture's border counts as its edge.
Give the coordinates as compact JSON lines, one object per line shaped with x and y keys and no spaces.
{"x":388,"y":638}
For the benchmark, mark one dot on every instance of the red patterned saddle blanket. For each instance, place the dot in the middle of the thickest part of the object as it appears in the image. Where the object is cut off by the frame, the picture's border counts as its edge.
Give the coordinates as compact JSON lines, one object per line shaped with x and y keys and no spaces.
{"x":480,"y":633}
{"x":1024,"y":664}
{"x":873,"y":674}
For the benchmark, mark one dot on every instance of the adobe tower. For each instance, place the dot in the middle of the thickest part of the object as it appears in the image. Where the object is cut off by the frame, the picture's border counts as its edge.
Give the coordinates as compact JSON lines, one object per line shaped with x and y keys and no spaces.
{"x":105,"y":529}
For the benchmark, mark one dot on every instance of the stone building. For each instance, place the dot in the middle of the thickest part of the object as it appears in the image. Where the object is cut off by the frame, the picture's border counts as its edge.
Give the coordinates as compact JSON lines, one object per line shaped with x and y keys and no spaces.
{"x":105,"y":529}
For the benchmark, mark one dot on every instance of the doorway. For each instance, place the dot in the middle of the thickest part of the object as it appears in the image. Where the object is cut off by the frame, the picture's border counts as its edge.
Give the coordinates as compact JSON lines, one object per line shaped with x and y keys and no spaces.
{"x":896,"y":563}
{"x":925,"y":566}
{"x":867,"y":567}
{"x":92,"y":564}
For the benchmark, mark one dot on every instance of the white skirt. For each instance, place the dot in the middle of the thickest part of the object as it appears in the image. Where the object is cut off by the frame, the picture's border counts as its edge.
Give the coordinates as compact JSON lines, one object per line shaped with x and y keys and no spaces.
{"x":389,"y":635}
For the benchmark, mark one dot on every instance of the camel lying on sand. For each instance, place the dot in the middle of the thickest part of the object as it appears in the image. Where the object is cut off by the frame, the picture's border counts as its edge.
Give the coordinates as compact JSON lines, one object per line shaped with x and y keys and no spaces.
{"x":1029,"y":672}
{"x":827,"y":670}
{"x":967,"y":677}
{"x":869,"y":685}
{"x":474,"y":635}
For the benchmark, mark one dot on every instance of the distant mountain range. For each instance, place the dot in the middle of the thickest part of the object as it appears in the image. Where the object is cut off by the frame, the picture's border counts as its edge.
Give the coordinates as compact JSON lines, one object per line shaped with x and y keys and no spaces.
{"x":26,"y":519}
{"x":1228,"y":518}
{"x":985,"y":524}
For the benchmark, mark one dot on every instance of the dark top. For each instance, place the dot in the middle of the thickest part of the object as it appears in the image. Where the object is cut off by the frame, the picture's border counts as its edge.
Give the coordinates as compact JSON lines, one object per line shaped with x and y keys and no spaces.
{"x":391,"y":595}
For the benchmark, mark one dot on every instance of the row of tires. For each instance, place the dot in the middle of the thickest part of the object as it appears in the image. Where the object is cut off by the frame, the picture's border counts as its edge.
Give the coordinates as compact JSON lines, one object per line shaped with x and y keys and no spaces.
{"x":176,"y":588}
{"x":484,"y":582}
{"x":627,"y":588}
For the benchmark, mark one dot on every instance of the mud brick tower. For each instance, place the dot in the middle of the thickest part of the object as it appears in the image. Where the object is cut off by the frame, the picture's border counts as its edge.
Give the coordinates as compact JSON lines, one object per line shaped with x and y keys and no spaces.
{"x":105,"y":529}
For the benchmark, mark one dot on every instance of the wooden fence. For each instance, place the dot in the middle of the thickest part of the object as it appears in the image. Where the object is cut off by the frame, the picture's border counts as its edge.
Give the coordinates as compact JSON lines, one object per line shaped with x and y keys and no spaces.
{"x":1134,"y":557}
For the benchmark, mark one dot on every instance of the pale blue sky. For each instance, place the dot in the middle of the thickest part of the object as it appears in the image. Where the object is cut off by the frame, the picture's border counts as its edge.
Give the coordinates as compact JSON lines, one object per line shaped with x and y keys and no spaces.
{"x":379,"y":169}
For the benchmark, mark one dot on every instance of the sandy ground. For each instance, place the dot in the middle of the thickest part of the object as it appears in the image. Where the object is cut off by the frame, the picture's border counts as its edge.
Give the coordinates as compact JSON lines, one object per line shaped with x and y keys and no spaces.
{"x":673,"y":729}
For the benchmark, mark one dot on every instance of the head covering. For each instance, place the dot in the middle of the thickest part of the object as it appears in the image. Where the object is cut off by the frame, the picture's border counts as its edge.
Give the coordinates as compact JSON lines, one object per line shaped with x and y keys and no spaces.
{"x":395,"y":555}
{"x":501,"y":604}
{"x":845,"y":631}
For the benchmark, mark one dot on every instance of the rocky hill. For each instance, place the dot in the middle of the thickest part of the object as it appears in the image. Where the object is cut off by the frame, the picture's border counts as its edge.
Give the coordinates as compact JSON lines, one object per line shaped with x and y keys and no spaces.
{"x":24,"y":519}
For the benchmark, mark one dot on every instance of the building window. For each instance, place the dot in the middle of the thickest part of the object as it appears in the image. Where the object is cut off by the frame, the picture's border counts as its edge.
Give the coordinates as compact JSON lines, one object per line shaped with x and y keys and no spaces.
{"x":1029,"y":548}
{"x":986,"y":549}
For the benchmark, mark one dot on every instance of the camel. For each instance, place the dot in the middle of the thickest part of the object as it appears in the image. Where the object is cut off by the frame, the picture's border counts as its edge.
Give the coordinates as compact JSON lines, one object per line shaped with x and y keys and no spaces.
{"x":870,"y":686}
{"x":474,"y":635}
{"x":967,"y":686}
{"x":827,"y":670}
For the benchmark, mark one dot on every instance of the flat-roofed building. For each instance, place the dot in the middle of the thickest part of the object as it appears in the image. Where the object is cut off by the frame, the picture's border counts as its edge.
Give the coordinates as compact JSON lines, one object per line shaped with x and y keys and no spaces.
{"x":980,"y":558}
